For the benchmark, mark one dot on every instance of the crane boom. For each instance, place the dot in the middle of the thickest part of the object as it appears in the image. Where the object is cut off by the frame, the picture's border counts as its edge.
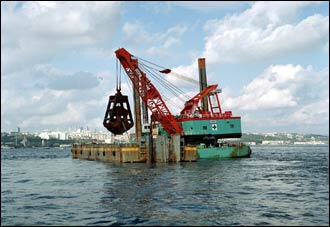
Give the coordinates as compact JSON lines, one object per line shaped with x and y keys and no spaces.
{"x":148,"y":92}
{"x":190,"y":105}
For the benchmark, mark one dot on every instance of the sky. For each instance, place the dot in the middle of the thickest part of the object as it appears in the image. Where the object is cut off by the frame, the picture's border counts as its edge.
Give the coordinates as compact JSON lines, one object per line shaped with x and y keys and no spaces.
{"x":271,"y":60}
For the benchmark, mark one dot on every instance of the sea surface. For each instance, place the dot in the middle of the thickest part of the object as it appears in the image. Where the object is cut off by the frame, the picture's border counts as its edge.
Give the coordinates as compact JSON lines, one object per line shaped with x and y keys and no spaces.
{"x":277,"y":185}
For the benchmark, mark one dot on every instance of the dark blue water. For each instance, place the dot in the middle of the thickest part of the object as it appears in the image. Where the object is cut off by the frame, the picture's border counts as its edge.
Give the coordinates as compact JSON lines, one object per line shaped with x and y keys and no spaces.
{"x":277,"y":185}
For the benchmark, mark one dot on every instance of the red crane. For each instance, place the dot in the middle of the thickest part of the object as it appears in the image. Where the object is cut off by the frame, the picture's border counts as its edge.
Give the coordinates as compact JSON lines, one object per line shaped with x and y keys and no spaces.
{"x":148,"y":92}
{"x":192,"y":103}
{"x":153,"y":100}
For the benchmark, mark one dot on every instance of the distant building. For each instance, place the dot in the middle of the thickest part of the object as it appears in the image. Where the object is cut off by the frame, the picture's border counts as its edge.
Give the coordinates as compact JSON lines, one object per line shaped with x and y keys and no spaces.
{"x":44,"y":135}
{"x":310,"y":143}
{"x":62,"y":135}
{"x":273,"y":142}
{"x":54,"y":135}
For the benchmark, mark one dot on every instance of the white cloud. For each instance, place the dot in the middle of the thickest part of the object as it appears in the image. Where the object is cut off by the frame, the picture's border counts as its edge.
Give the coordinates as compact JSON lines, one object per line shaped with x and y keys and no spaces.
{"x":135,"y":33}
{"x":38,"y":103}
{"x":34,"y":32}
{"x":70,"y":115}
{"x":46,"y":76}
{"x":79,"y":80}
{"x":281,"y":86}
{"x":209,"y":5}
{"x":266,"y":30}
{"x":263,"y":31}
{"x":284,"y":97}
{"x":316,"y":112}
{"x":157,"y":44}
{"x":47,"y":3}
{"x":34,"y":93}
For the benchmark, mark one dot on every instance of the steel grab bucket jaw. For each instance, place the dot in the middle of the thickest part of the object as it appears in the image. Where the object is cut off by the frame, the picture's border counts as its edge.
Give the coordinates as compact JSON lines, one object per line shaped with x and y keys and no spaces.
{"x":118,"y":116}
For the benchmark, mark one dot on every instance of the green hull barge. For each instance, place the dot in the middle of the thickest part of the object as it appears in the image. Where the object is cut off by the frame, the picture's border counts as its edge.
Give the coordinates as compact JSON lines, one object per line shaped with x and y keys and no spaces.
{"x":225,"y":150}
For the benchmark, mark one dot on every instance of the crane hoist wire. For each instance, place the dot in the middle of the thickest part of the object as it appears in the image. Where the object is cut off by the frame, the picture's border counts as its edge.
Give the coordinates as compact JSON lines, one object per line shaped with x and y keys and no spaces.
{"x":157,"y":74}
{"x":163,"y":81}
{"x":165,"y":97}
{"x":118,"y":76}
{"x":161,"y":67}
{"x":169,"y":88}
{"x":172,"y":73}
{"x":166,"y":84}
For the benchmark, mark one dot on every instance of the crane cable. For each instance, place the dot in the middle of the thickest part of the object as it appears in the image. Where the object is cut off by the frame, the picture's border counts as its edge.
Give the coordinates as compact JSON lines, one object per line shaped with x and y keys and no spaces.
{"x":157,"y":72}
{"x":167,"y":99}
{"x":118,"y":76}
{"x":169,"y":86}
{"x":172,"y":73}
{"x":165,"y":83}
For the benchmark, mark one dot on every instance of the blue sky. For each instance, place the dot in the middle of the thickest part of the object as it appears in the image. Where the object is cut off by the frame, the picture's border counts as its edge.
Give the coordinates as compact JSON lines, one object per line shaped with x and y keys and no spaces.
{"x":270,"y":58}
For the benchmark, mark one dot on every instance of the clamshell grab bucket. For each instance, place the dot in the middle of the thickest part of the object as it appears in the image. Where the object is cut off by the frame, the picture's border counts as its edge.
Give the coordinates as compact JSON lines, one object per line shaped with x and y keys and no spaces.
{"x":118,"y":116}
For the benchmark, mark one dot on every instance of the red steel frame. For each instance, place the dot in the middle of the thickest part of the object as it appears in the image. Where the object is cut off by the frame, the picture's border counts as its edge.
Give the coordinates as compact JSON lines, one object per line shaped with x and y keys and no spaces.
{"x":148,"y":93}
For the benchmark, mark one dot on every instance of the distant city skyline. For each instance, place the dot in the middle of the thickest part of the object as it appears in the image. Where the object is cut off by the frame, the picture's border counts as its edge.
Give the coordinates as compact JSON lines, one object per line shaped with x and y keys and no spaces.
{"x":72,"y":129}
{"x":269,"y":58}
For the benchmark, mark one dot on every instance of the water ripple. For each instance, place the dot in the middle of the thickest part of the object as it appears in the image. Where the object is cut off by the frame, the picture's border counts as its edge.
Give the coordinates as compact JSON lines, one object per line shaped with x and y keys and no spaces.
{"x":275,"y":186}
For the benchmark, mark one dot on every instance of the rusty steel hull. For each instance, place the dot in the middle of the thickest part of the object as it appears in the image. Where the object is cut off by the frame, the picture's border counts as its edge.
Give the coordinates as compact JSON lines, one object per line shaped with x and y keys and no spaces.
{"x":163,"y":150}
{"x":108,"y":152}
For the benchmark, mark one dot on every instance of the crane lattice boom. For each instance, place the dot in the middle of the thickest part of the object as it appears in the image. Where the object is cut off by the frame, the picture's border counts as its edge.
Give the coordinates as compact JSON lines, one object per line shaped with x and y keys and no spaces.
{"x":148,"y":92}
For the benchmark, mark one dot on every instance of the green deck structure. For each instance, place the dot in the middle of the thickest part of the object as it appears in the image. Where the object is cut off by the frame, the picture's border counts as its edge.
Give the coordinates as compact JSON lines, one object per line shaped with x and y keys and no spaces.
{"x":222,"y":128}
